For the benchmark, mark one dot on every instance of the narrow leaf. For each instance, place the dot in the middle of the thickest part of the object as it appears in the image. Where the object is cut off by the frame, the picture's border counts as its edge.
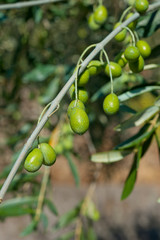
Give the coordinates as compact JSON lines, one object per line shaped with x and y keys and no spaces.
{"x":131,"y":179}
{"x":110,"y":156}
{"x":51,"y":206}
{"x":136,"y":140}
{"x":44,"y":220}
{"x":73,"y":168}
{"x":138,"y":119}
{"x":136,"y":92}
{"x":29,"y":229}
{"x":68,"y":217}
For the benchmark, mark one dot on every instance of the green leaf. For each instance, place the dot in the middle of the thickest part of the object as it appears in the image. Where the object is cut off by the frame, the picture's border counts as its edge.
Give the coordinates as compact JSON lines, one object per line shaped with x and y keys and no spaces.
{"x":138,"y":119}
{"x":17,"y":202}
{"x":44,"y":220}
{"x":29,"y":229}
{"x":136,"y":92}
{"x":148,"y":24}
{"x":125,"y":108}
{"x":68,"y":217}
{"x":12,"y":211}
{"x":146,"y":145}
{"x":39,"y":73}
{"x":73,"y":168}
{"x":51,"y":206}
{"x":131,"y":179}
{"x":110,"y":156}
{"x":50,"y":91}
{"x":137,"y":139}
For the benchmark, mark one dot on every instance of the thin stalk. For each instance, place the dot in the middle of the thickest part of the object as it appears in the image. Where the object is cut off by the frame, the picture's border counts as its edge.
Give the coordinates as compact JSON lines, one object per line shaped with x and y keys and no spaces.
{"x":124,"y":13}
{"x":110,"y":71}
{"x":132,"y":35}
{"x":27,"y":4}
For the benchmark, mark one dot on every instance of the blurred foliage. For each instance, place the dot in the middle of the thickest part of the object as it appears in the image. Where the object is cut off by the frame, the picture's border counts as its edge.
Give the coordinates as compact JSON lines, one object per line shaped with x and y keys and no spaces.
{"x":39,"y":48}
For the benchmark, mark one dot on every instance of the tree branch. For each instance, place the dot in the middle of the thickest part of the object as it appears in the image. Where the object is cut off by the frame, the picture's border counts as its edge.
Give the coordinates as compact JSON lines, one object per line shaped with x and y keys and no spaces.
{"x":56,"y":101}
{"x":27,"y":4}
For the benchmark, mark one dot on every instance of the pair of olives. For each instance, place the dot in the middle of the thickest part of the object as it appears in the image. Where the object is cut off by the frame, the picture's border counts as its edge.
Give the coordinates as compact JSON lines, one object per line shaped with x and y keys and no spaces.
{"x":135,"y":55}
{"x":98,"y":17}
{"x":45,"y":154}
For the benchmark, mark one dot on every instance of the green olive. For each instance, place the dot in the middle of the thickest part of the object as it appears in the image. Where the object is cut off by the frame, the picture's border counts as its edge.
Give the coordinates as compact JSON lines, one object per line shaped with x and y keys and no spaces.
{"x":122,"y":34}
{"x":92,"y":24}
{"x":137,"y":66}
{"x":133,"y":24}
{"x":49,"y":155}
{"x":82,"y":94}
{"x":132,"y":54}
{"x":79,"y":121}
{"x":100,"y":14}
{"x":141,"y":6}
{"x":94,"y":67}
{"x":121,"y":60}
{"x":111,"y":104}
{"x":144,"y":48}
{"x":115,"y":69}
{"x":83,"y":78}
{"x":73,"y":104}
{"x":34,"y":160}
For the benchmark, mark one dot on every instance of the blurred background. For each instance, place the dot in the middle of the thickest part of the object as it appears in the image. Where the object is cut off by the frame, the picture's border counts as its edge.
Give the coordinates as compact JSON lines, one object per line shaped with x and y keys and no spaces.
{"x":39,"y":49}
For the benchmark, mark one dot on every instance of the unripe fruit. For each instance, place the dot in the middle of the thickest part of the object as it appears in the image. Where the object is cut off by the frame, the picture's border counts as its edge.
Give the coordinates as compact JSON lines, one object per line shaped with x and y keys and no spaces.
{"x":144,"y":48}
{"x":83,"y":78}
{"x":79,"y":121}
{"x":49,"y":155}
{"x":132,"y":54}
{"x":34,"y":160}
{"x":141,"y":6}
{"x":121,"y":35}
{"x":82,"y":94}
{"x":92,"y":24}
{"x":115,"y":69}
{"x":100,"y":14}
{"x":111,"y":104}
{"x":121,"y":60}
{"x":137,"y":66}
{"x":73,"y":104}
{"x":94,"y":67}
{"x":133,"y":24}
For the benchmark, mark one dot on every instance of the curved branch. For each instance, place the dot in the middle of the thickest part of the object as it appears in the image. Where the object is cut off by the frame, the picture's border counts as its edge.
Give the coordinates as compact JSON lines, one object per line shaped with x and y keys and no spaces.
{"x":27,"y":4}
{"x":56,"y":101}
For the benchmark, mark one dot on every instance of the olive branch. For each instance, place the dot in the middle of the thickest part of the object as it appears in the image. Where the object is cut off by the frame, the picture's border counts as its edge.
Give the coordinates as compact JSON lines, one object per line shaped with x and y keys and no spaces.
{"x":98,"y":47}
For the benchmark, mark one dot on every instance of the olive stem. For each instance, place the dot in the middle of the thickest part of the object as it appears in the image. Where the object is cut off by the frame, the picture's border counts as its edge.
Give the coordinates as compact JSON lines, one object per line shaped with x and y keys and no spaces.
{"x":110,"y":71}
{"x":27,"y":4}
{"x":62,"y":93}
{"x":136,"y":35}
{"x":77,"y":70}
{"x":132,"y":35}
{"x":101,"y":57}
{"x":124,"y":13}
{"x":42,"y":193}
{"x":100,"y":2}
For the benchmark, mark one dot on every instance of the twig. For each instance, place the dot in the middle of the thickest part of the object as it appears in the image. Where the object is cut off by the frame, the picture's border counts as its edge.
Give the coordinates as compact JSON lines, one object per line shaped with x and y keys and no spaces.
{"x":62,"y":93}
{"x":42,"y":193}
{"x":27,"y":4}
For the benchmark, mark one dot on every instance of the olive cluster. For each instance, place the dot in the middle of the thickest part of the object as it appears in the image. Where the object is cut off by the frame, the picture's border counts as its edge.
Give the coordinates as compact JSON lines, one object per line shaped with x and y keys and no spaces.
{"x":98,"y":17}
{"x":44,"y":154}
{"x":77,"y":115}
